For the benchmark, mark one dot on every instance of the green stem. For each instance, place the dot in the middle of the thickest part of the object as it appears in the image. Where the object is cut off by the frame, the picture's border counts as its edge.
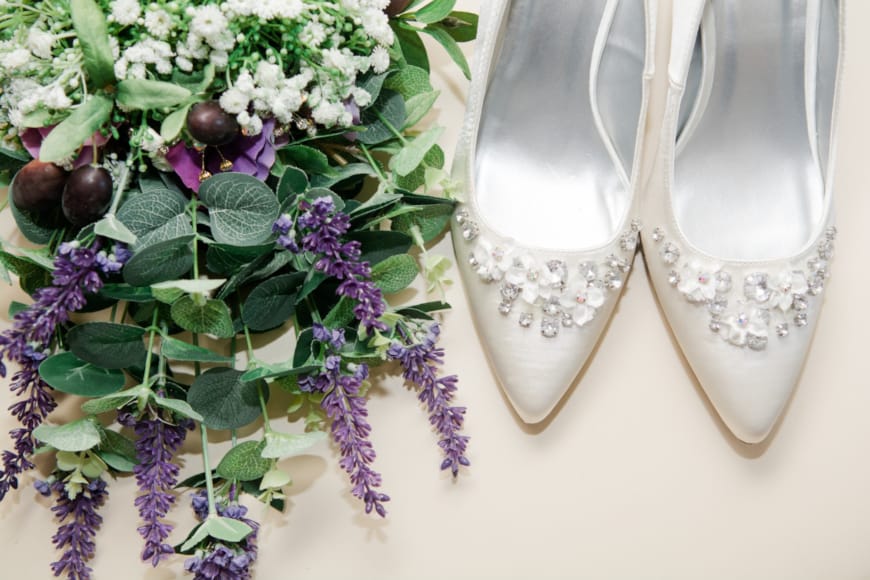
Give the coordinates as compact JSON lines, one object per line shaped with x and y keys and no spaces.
{"x":376,"y":166}
{"x":123,"y":182}
{"x":150,"y":353}
{"x":195,"y":241}
{"x":266,"y":424}
{"x":391,"y":128}
{"x":209,"y":484}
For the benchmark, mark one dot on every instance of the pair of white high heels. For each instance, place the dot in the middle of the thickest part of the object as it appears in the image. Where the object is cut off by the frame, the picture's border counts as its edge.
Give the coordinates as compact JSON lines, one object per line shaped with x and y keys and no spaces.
{"x":736,"y":226}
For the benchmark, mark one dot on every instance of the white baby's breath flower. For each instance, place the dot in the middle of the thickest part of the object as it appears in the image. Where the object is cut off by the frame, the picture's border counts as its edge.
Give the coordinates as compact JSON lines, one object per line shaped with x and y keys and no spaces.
{"x":251,"y":124}
{"x":183,"y":64}
{"x":16,"y":59}
{"x":361,"y":97}
{"x":151,"y":141}
{"x":220,"y":59}
{"x":380,"y":59}
{"x":125,"y":12}
{"x":234,"y":101}
{"x":40,"y":42}
{"x":208,"y":22}
{"x":245,"y":83}
{"x":137,"y":71}
{"x":330,"y":114}
{"x":376,"y":24}
{"x":55,"y":98}
{"x":313,"y":34}
{"x":268,"y":75}
{"x":158,"y":23}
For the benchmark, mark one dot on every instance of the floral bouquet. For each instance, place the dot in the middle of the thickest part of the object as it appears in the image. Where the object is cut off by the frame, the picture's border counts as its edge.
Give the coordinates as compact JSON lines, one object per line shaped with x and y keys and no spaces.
{"x":196,"y":173}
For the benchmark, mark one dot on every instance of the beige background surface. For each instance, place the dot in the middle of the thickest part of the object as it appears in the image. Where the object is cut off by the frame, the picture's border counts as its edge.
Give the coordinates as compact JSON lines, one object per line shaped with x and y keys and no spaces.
{"x":633,"y":477}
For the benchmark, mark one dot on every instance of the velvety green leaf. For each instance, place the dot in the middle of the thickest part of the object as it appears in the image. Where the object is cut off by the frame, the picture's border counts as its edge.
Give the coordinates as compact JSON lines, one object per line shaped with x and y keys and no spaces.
{"x":395,"y":273}
{"x":462,"y":26}
{"x":67,"y":373}
{"x":372,"y":84}
{"x":430,"y":219}
{"x":107,"y":345}
{"x":449,"y":44}
{"x":409,"y":81}
{"x":203,"y":317}
{"x":146,"y":94}
{"x":381,"y":120}
{"x":433,"y":158}
{"x":227,"y":529}
{"x":411,"y":155}
{"x":166,"y":260}
{"x":110,"y":227}
{"x":188,"y":286}
{"x":127,"y":292}
{"x":342,"y":173}
{"x":77,"y":436}
{"x":413,"y":49}
{"x":341,"y":314}
{"x":197,"y":81}
{"x":224,"y":400}
{"x":308,"y":159}
{"x":434,"y":11}
{"x":227,"y":259}
{"x":275,"y":371}
{"x":377,"y":246}
{"x":244,"y":462}
{"x":293,"y":182}
{"x":272,"y":302}
{"x":175,"y":349}
{"x":111,"y":402}
{"x":417,"y":106}
{"x":67,"y":137}
{"x":177,"y":406}
{"x":281,"y":445}
{"x":313,"y":279}
{"x":242,"y":208}
{"x":118,"y":451}
{"x":90,"y":26}
{"x":155,"y":216}
{"x":302,"y":352}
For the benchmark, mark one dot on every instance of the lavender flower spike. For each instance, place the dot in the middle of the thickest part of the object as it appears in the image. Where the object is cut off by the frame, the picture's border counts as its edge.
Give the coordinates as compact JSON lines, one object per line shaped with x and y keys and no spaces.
{"x":77,"y":535}
{"x":420,"y":362}
{"x":221,"y":561}
{"x":156,"y":475}
{"x":76,"y":273}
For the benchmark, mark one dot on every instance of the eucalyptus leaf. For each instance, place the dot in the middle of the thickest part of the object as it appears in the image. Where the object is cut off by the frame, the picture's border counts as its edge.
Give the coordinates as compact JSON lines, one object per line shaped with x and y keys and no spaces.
{"x":107,"y":345}
{"x":308,"y":159}
{"x":118,"y":451}
{"x":91,"y":31}
{"x":224,"y":400}
{"x":117,"y":462}
{"x":76,"y":436}
{"x":293,"y":182}
{"x":127,"y":292}
{"x":155,"y":216}
{"x":272,"y":302}
{"x":242,"y":208}
{"x":380,"y":245}
{"x":382,"y":120}
{"x":395,"y":273}
{"x":200,"y":286}
{"x":228,"y":259}
{"x":179,"y":407}
{"x":111,"y":227}
{"x":67,"y":373}
{"x":166,"y":260}
{"x":203,"y":316}
{"x":146,"y":94}
{"x":412,"y":154}
{"x":244,"y":462}
{"x":275,"y":479}
{"x":175,"y":349}
{"x":373,"y":83}
{"x":275,"y":371}
{"x":342,"y":173}
{"x":227,"y":529}
{"x":67,"y":137}
{"x":281,"y":445}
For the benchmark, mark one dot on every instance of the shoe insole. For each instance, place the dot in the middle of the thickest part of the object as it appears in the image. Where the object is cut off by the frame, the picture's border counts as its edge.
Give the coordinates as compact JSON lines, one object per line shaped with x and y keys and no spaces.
{"x":544,"y":175}
{"x":748,"y":184}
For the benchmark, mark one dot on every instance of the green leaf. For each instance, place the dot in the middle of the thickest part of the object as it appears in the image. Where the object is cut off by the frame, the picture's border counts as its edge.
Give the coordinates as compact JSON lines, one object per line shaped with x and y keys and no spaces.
{"x":313,"y":279}
{"x":118,"y":451}
{"x":166,"y":260}
{"x":174,"y":122}
{"x":381,"y":120}
{"x":145,"y":94}
{"x":341,"y":314}
{"x":409,"y":81}
{"x":155,"y":216}
{"x":241,"y":207}
{"x":186,"y":286}
{"x":412,"y":45}
{"x":280,"y":445}
{"x":91,"y":31}
{"x":111,"y":227}
{"x":112,"y":401}
{"x":434,"y":11}
{"x":452,"y":48}
{"x":67,"y":373}
{"x":117,"y":462}
{"x":224,"y":400}
{"x":433,"y":158}
{"x":412,"y":154}
{"x":175,"y":349}
{"x":293,"y":182}
{"x":462,"y":26}
{"x":276,"y":371}
{"x":77,"y":436}
{"x":341,"y":174}
{"x":15,"y":307}
{"x":228,"y":259}
{"x":107,"y":345}
{"x":275,"y":479}
{"x":430,"y":219}
{"x":177,"y":406}
{"x":377,"y":246}
{"x":373,"y":83}
{"x":244,"y":462}
{"x":417,"y":106}
{"x":308,"y":159}
{"x":302,"y":352}
{"x":203,"y":317}
{"x":272,"y":302}
{"x":34,"y":227}
{"x":67,"y":137}
{"x":197,"y":81}
{"x":395,"y":273}
{"x":127,"y":292}
{"x":227,"y":529}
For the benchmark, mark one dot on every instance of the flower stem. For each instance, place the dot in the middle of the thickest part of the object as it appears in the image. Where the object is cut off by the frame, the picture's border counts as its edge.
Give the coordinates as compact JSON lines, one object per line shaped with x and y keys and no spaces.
{"x":375,"y":165}
{"x":152,"y":330}
{"x":209,"y":484}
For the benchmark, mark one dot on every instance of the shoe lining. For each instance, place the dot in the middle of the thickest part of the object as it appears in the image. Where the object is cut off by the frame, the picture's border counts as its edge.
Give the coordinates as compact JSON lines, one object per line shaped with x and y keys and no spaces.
{"x":544,"y":176}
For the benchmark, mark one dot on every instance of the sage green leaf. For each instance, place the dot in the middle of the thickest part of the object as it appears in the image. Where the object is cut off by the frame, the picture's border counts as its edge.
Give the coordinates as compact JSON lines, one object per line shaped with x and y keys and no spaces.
{"x":174,"y":122}
{"x":117,"y":451}
{"x":110,"y":227}
{"x":197,"y":81}
{"x":412,"y":154}
{"x":341,"y":174}
{"x":67,"y":137}
{"x":228,"y":259}
{"x":293,"y":182}
{"x":308,"y":159}
{"x":275,"y":479}
{"x":227,"y":529}
{"x":313,"y":279}
{"x":272,"y":302}
{"x":127,"y":292}
{"x":395,"y":273}
{"x":341,"y":314}
{"x":377,"y":246}
{"x":175,"y":349}
{"x":431,"y":220}
{"x":452,"y":48}
{"x":203,"y":316}
{"x":242,"y":208}
{"x":145,"y":94}
{"x":434,"y":11}
{"x":111,"y":402}
{"x":382,"y":120}
{"x":91,"y":31}
{"x":67,"y":373}
{"x":117,"y":462}
{"x":281,"y":445}
{"x":15,"y":307}
{"x":155,"y":216}
{"x":417,"y":106}
{"x":166,"y":260}
{"x":413,"y":49}
{"x":187,"y":286}
{"x":433,"y":158}
{"x":224,"y":400}
{"x":373,"y":83}
{"x":179,"y":407}
{"x":409,"y":81}
{"x":107,"y":345}
{"x":244,"y":462}
{"x":198,"y":534}
{"x":276,"y":371}
{"x":77,"y":436}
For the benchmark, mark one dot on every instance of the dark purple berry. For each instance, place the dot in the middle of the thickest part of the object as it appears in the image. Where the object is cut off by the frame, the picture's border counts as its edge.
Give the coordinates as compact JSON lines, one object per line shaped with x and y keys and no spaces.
{"x":87,"y":195}
{"x":211,"y":125}
{"x":38,"y":186}
{"x":396,"y":7}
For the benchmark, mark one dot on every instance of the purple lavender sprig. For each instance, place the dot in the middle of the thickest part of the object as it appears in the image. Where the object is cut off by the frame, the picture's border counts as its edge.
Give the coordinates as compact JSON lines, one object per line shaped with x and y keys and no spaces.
{"x":322,"y":226}
{"x":76,"y":536}
{"x":219,"y":560}
{"x":420,"y":364}
{"x":346,"y":407}
{"x":158,"y":441}
{"x":76,"y":273}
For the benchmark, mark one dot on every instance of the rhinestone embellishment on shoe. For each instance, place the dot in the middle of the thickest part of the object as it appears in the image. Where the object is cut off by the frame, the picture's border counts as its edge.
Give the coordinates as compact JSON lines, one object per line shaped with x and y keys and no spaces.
{"x":765,"y":304}
{"x":559,"y":294}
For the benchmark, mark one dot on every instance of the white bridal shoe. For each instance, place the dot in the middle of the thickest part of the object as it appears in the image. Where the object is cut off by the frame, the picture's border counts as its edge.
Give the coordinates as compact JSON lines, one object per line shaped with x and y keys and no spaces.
{"x":547,"y":163}
{"x":740,"y":228}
